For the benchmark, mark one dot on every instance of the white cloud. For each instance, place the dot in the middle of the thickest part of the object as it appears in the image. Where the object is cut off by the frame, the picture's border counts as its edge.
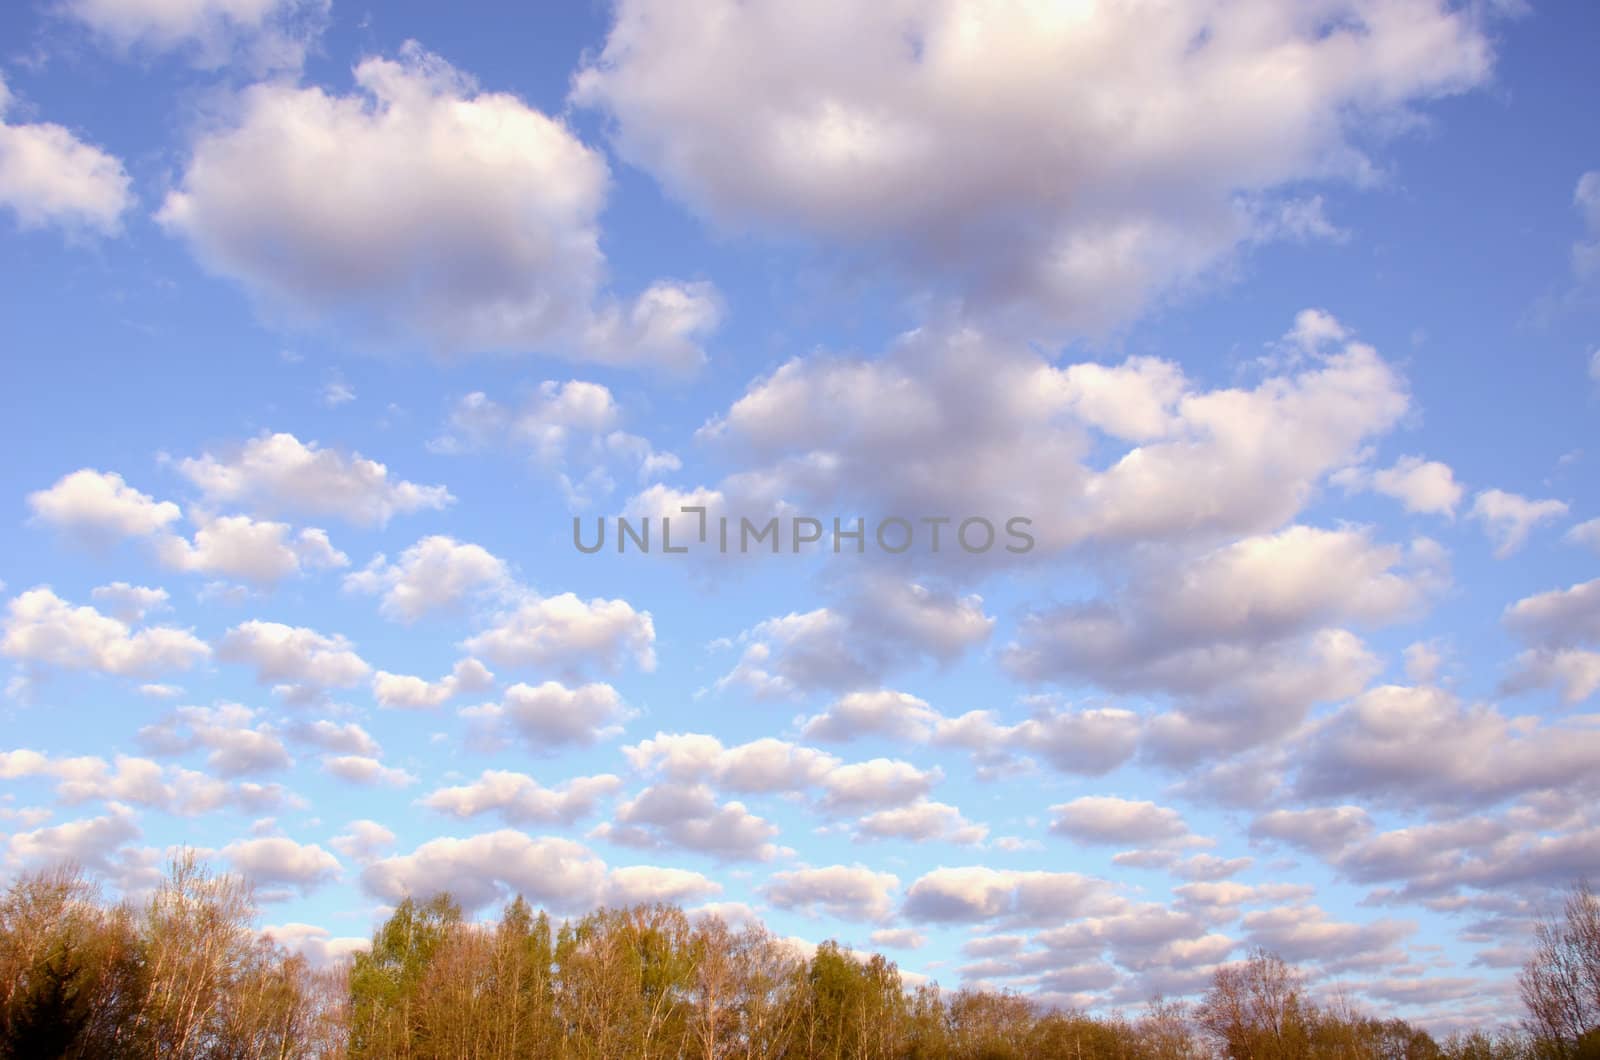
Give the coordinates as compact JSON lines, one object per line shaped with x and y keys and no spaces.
{"x":895,"y":715}
{"x":364,"y":769}
{"x":1090,"y":742}
{"x":1420,"y":485}
{"x":491,"y":244}
{"x":648,"y":884}
{"x":233,"y":745}
{"x":553,"y":715}
{"x":975,"y":893}
{"x":688,"y":816}
{"x":264,"y":34}
{"x":438,"y":573}
{"x":876,"y":784}
{"x":848,"y":892}
{"x":348,"y":738}
{"x":301,"y":661}
{"x":546,"y":870}
{"x":1586,"y":533}
{"x":316,"y":944}
{"x":100,"y":506}
{"x":1508,"y":518}
{"x":42,"y":629}
{"x":520,"y":799}
{"x":404,"y":690}
{"x":569,"y":634}
{"x":277,"y":860}
{"x":1064,"y":160}
{"x":48,"y":176}
{"x":921,"y":821}
{"x":362,"y":841}
{"x":238,"y":546}
{"x":129,"y":603}
{"x":1117,"y":821}
{"x":1560,"y":617}
{"x":280,"y":472}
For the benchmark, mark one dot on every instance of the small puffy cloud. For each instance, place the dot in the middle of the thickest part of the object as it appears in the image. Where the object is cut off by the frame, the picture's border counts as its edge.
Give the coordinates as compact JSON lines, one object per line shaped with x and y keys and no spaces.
{"x":1112,"y":820}
{"x":885,"y":624}
{"x":362,"y":841}
{"x":129,"y":603}
{"x":279,"y":472}
{"x":234,"y":743}
{"x":41,"y":629}
{"x":894,"y":715}
{"x":687,"y":816}
{"x":348,"y":738}
{"x":437,"y":573}
{"x":647,"y":884}
{"x":1420,"y":485}
{"x":265,"y":34}
{"x":237,"y":546}
{"x":879,"y":783}
{"x":277,"y":860}
{"x":921,"y":821}
{"x":1323,"y":830}
{"x":553,"y":715}
{"x":767,"y":765}
{"x":1586,"y":533}
{"x":48,"y":176}
{"x":301,"y":662}
{"x":569,"y":634}
{"x":317,"y":945}
{"x":848,"y":892}
{"x":92,"y":842}
{"x":546,"y":870}
{"x":899,"y":938}
{"x":407,"y":691}
{"x":520,"y":799}
{"x":1558,"y":618}
{"x":1508,"y":518}
{"x":364,"y":769}
{"x":491,"y":245}
{"x":1087,"y":742}
{"x":975,"y":894}
{"x":99,"y":506}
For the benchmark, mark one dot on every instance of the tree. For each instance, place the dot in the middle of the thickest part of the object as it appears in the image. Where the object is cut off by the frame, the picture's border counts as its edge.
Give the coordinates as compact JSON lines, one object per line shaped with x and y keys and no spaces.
{"x":1255,"y":1009}
{"x":1560,"y":984}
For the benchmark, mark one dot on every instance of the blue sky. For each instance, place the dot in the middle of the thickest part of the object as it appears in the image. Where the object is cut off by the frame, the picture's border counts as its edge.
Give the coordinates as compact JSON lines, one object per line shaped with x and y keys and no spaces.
{"x":322,"y":323}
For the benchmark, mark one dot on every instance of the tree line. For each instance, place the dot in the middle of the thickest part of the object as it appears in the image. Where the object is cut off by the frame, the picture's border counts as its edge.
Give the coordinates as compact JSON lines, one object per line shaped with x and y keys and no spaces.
{"x":186,"y":975}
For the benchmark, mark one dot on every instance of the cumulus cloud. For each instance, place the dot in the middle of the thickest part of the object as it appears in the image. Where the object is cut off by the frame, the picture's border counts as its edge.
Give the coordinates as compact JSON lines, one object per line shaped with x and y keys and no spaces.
{"x":894,"y":715}
{"x":1420,"y":485}
{"x":884,"y":624}
{"x":237,"y":546}
{"x":552,"y":714}
{"x":974,"y":145}
{"x":279,"y":472}
{"x":1117,"y":821}
{"x":101,"y":507}
{"x":1509,"y":518}
{"x":922,"y":820}
{"x":520,"y":799}
{"x":404,"y":690}
{"x":569,"y":634}
{"x":129,"y":603}
{"x":317,"y":945}
{"x":491,"y":243}
{"x":48,"y":176}
{"x":687,"y":816}
{"x":1562,"y":627}
{"x":848,"y":892}
{"x":263,"y":34}
{"x":546,"y":870}
{"x":277,"y":860}
{"x":367,"y":770}
{"x":974,"y":894}
{"x":299,"y":661}
{"x":42,"y":630}
{"x":362,"y":841}
{"x":1087,"y":742}
{"x":438,"y":573}
{"x":348,"y":738}
{"x":233,"y":741}
{"x":1587,"y":533}
{"x":1117,"y":456}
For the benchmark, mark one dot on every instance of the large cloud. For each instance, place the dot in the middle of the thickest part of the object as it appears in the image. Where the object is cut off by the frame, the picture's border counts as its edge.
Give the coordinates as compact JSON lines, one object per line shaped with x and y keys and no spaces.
{"x":1067,"y":159}
{"x":489,"y":243}
{"x":41,"y":629}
